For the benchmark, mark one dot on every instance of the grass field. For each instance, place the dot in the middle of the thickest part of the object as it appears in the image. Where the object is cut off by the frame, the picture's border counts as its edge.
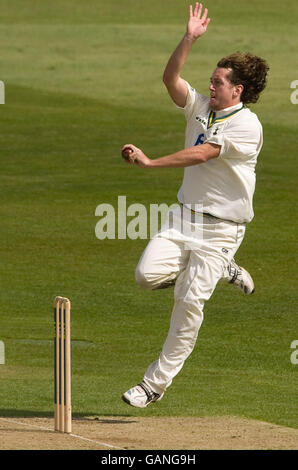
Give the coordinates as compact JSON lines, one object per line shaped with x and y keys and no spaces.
{"x":82,"y":79}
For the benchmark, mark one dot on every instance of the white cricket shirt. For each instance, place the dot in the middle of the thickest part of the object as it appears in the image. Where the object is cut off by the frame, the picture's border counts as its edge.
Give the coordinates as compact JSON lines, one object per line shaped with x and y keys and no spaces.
{"x":223,"y":186}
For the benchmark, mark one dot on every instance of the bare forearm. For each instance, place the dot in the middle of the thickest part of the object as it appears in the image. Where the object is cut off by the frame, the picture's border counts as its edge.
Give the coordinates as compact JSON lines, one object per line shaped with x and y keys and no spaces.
{"x":187,"y":157}
{"x":196,"y":27}
{"x":177,"y":59}
{"x":184,"y":158}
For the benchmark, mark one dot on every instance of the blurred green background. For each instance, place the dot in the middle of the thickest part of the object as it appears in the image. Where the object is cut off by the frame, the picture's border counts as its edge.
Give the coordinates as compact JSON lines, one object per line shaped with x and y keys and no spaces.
{"x":82,"y":79}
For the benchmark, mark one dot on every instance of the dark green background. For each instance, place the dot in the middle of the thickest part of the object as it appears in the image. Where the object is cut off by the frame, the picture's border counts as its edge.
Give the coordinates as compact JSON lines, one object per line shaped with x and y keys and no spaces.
{"x":82,"y":79}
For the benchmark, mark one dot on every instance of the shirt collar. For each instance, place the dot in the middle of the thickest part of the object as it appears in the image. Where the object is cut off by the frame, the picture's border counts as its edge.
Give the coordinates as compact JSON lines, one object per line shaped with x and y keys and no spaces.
{"x":228,"y":110}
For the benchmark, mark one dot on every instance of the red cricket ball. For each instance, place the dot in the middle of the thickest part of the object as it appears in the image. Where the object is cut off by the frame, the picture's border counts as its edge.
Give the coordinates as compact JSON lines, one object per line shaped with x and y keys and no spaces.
{"x":126,"y":152}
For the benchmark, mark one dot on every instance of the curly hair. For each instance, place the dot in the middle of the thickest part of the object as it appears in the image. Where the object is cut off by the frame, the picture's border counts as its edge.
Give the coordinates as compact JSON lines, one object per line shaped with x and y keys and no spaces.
{"x":248,"y":70}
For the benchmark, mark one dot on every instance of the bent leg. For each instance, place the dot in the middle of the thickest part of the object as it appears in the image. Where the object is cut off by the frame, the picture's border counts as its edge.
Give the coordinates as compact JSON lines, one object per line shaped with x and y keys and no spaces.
{"x":194,"y":286}
{"x":161,"y":263}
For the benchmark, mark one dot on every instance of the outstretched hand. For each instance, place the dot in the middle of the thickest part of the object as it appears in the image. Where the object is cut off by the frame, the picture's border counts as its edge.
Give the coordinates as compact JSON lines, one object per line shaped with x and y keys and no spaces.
{"x":134,"y":155}
{"x":197,"y":25}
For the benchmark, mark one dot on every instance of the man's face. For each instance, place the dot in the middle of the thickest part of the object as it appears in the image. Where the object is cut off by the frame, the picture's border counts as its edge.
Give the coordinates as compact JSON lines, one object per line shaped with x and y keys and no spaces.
{"x":222,"y":92}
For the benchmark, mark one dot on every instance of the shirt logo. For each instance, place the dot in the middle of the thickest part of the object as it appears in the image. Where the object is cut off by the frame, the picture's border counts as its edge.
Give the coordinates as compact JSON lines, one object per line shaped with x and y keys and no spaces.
{"x":200,"y":139}
{"x":202,"y":120}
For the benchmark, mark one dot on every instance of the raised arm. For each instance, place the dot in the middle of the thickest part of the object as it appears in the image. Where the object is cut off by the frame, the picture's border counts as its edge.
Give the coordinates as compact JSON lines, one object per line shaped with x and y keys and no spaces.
{"x":196,"y":27}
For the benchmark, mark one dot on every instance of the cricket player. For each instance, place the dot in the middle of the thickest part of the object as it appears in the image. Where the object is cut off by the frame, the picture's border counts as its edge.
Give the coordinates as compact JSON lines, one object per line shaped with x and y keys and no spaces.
{"x":197,"y":249}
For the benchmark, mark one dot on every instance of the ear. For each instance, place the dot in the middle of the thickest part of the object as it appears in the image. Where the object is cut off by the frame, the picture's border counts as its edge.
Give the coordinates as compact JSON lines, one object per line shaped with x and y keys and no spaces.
{"x":238,"y":89}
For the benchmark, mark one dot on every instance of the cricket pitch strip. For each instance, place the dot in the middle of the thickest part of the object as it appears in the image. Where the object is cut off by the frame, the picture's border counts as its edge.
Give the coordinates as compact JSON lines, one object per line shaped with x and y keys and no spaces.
{"x":150,"y":433}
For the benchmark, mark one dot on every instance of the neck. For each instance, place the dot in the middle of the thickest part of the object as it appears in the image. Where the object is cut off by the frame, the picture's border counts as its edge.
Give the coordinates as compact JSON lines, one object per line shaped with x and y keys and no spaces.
{"x":228,"y":106}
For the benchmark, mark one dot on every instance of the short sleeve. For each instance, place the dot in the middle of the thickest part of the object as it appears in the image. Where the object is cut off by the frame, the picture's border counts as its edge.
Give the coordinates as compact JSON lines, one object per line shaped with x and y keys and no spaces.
{"x":195,"y":102}
{"x":238,"y":139}
{"x":190,"y":101}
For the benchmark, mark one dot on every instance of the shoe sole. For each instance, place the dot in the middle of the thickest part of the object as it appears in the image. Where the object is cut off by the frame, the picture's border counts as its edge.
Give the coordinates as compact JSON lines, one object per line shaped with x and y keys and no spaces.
{"x":126,"y":400}
{"x":251,"y":280}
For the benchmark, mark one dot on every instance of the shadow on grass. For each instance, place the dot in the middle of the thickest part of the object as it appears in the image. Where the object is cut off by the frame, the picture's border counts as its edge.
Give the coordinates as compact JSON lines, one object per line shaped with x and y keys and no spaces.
{"x":90,"y":416}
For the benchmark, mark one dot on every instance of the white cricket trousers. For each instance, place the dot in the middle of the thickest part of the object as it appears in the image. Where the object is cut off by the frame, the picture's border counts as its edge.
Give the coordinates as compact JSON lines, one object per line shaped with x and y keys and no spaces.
{"x":194,"y":262}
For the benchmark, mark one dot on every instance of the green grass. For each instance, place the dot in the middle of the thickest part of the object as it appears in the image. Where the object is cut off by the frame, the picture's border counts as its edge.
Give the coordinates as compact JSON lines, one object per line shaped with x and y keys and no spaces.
{"x":82,"y":79}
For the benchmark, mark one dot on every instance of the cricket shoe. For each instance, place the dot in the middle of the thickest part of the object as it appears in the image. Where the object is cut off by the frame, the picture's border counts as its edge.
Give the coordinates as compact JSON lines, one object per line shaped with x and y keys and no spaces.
{"x":141,"y":396}
{"x":240,"y":278}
